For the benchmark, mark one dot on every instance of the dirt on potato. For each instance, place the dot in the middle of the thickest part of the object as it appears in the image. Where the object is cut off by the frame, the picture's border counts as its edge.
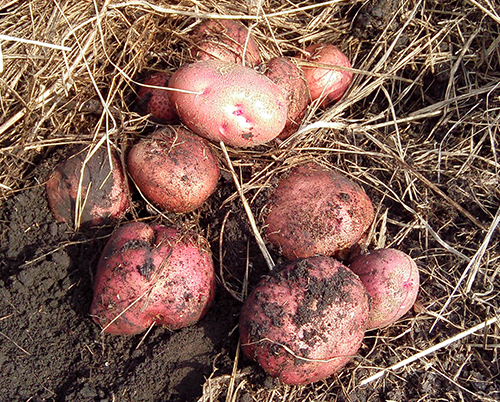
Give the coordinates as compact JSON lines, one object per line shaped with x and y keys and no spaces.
{"x":315,"y":325}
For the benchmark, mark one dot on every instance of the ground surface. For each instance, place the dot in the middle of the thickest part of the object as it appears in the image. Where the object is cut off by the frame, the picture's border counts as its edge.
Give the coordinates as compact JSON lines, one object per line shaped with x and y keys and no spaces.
{"x":52,"y":350}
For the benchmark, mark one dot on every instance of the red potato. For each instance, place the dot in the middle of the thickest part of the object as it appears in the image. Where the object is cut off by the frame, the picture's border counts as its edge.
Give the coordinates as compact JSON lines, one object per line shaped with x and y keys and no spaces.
{"x":284,"y":73}
{"x":225,"y":40}
{"x":155,"y":101}
{"x":104,"y":193}
{"x":229,"y":102}
{"x":314,"y":210}
{"x":328,"y":85}
{"x":152,"y":274}
{"x":174,"y":169}
{"x":392,"y":279}
{"x":305,"y":322}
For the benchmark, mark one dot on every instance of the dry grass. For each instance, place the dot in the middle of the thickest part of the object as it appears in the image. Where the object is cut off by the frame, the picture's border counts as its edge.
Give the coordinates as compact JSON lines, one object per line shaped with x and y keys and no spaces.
{"x":419,"y":129}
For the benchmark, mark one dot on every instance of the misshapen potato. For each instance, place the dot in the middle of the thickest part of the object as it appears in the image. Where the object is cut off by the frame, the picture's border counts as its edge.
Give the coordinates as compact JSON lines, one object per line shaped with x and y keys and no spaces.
{"x":226,"y":40}
{"x":328,"y":85}
{"x":314,"y":210}
{"x":284,"y":73}
{"x":392,"y":279}
{"x":152,"y":274}
{"x":174,"y":169}
{"x":229,"y":102}
{"x":97,"y":185}
{"x":305,"y":321}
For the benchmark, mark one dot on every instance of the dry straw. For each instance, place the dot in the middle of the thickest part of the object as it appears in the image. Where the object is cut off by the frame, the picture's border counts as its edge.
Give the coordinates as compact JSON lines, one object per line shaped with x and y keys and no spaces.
{"x":419,"y":129}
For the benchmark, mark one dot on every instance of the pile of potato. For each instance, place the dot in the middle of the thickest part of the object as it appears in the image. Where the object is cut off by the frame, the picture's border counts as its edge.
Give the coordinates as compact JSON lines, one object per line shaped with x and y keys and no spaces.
{"x":308,"y":318}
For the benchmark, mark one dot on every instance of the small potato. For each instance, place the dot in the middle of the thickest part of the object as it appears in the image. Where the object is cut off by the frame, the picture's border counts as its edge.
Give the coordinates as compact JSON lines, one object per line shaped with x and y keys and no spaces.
{"x":229,"y":102}
{"x":392,"y":279}
{"x":174,"y":169}
{"x":154,"y":101}
{"x":328,"y":85}
{"x":306,"y":321}
{"x":225,"y":40}
{"x":104,"y":193}
{"x":152,"y":274}
{"x":284,"y":73}
{"x":314,"y":210}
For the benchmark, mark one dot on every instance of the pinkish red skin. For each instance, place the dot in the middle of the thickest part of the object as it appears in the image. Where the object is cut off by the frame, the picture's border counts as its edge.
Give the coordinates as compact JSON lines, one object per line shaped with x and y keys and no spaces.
{"x":392,"y":279}
{"x":154,"y":101}
{"x":224,"y":40}
{"x":174,"y":169}
{"x":105,"y":201}
{"x":230,"y":103}
{"x":284,"y":73}
{"x":327,"y":84}
{"x":151,"y":274}
{"x":314,"y":210}
{"x":305,"y":322}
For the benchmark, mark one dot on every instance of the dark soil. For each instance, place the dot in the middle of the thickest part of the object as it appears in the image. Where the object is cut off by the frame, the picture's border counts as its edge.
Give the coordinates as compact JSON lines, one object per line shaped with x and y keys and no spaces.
{"x":51,"y":350}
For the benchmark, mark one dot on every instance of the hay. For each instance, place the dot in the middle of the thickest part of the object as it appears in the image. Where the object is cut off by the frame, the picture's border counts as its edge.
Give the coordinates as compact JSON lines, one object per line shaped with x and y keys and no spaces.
{"x":419,"y":129}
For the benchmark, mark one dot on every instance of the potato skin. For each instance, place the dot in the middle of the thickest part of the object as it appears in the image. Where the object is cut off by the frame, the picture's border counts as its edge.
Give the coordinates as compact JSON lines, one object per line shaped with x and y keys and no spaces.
{"x":284,"y":73}
{"x":314,"y":210}
{"x":306,"y":321}
{"x":174,"y":169}
{"x":152,"y":274}
{"x":104,"y":196}
{"x":156,"y":101}
{"x":234,"y":104}
{"x":392,"y":279}
{"x":328,"y":84}
{"x":224,"y":40}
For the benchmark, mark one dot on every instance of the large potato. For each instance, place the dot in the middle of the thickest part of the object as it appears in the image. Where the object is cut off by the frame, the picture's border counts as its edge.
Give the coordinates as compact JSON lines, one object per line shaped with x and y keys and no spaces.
{"x":284,"y":73}
{"x":328,"y":85}
{"x":174,"y":169}
{"x":225,"y":40}
{"x":104,"y":193}
{"x":305,"y":322}
{"x":152,"y":274}
{"x":229,"y":103}
{"x":392,"y":279}
{"x":155,"y":101}
{"x":315,"y":210}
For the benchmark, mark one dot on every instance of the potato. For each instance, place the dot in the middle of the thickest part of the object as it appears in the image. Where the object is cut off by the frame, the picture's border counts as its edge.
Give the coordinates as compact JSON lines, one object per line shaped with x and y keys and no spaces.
{"x":284,"y":73}
{"x":152,"y":274}
{"x":104,"y":193}
{"x":174,"y":169}
{"x":392,"y":279}
{"x":305,"y":321}
{"x":314,"y":210}
{"x":230,"y":103}
{"x":327,"y":84}
{"x":154,"y":101}
{"x":225,"y":40}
